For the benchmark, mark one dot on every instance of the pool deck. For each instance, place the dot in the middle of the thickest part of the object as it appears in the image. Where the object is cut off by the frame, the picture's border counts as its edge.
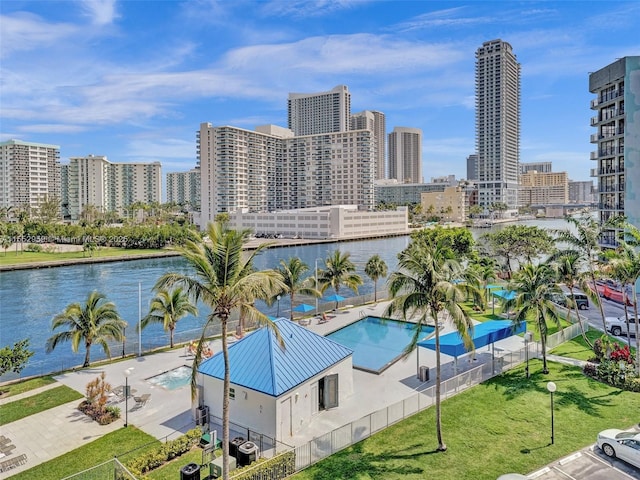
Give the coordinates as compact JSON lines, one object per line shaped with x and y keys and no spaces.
{"x":169,"y":413}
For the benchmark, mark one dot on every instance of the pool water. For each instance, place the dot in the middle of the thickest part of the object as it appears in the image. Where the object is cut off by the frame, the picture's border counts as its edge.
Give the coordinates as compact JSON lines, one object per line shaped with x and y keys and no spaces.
{"x":377,"y":342}
{"x":173,"y":379}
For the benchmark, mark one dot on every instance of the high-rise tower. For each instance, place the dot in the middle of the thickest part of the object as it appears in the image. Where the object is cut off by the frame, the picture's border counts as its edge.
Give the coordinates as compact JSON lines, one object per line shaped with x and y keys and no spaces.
{"x":405,"y":155}
{"x":374,"y":121}
{"x":497,"y":123}
{"x":324,"y":112}
{"x":617,"y":89}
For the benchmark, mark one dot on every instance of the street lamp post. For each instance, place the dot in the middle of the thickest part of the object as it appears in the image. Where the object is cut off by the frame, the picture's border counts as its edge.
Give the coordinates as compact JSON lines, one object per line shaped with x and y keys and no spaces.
{"x":278,"y":314}
{"x":528,"y":336}
{"x":124,"y":337}
{"x":317,"y":282}
{"x":127,"y":372}
{"x":552,"y":388}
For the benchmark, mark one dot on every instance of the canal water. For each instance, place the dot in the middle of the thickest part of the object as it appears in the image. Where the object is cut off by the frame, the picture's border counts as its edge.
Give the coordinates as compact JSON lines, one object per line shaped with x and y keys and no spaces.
{"x":29,"y":299}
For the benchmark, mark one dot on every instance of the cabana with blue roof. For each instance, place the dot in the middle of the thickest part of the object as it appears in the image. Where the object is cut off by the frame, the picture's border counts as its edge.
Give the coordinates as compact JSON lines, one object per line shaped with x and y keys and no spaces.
{"x":484,"y":334}
{"x":275,"y":390}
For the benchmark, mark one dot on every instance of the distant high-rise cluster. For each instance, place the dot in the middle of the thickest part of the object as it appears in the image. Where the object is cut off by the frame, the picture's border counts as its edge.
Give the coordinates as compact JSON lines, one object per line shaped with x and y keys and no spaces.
{"x":326,"y":157}
{"x":497,"y":124}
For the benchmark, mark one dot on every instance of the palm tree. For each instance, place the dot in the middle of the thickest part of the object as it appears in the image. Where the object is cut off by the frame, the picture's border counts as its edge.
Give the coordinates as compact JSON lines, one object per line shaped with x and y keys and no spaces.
{"x":224,"y":279}
{"x":568,"y":265}
{"x":291,"y":272}
{"x":424,"y":287}
{"x":95,"y":322}
{"x":536,"y":289}
{"x":626,"y":260}
{"x":375,"y":269}
{"x":585,"y":240}
{"x":167,"y":308}
{"x":340,"y":271}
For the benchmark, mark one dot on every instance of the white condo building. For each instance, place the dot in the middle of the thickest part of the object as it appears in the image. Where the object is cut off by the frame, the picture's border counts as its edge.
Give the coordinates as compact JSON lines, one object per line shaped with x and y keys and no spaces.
{"x":405,"y":155}
{"x":271,"y":169}
{"x":375,"y":121}
{"x":497,"y":124}
{"x":29,"y":173}
{"x":324,"y":112}
{"x":110,"y":187}
{"x":184,"y":188}
{"x":617,"y":139}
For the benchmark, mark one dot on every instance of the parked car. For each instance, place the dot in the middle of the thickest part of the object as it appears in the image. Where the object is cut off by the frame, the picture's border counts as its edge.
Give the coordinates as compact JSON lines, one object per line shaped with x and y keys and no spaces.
{"x":621,"y":444}
{"x":618,"y":325}
{"x":564,"y":300}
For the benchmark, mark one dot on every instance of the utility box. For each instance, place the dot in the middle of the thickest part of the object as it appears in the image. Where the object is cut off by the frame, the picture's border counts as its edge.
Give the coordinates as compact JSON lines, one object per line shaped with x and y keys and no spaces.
{"x":215,"y":467}
{"x":202,"y":415}
{"x":423,"y":373}
{"x":234,"y":445}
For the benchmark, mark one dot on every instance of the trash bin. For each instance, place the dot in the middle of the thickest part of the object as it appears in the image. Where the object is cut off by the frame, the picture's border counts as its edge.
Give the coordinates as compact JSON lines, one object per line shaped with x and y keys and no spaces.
{"x":423,"y":374}
{"x":247,"y":453}
{"x":191,"y":471}
{"x":234,"y":444}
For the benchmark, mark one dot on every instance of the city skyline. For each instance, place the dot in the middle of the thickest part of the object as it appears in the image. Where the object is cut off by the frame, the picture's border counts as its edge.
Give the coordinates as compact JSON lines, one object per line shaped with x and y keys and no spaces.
{"x":133,"y":80}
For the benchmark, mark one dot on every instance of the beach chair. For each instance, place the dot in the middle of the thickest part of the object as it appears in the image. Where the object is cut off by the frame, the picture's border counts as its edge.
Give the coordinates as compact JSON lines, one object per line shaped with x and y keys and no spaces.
{"x":142,"y":400}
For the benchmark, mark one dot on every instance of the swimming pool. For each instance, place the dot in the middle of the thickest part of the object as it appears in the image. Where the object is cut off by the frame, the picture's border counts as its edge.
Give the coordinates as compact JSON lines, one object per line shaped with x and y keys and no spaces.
{"x":172,"y":379}
{"x":377,"y":343}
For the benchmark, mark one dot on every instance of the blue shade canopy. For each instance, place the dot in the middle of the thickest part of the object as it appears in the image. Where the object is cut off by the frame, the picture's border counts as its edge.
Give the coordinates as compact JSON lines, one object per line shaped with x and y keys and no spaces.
{"x":492,"y":286}
{"x":304,"y":308}
{"x":483,"y":334}
{"x":335,"y":298}
{"x":259,"y":363}
{"x":504,"y":294}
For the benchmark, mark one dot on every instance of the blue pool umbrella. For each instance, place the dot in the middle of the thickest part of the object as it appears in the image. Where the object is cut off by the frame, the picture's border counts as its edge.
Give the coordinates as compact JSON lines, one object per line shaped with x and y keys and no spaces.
{"x":304,"y":308}
{"x":335,"y":298}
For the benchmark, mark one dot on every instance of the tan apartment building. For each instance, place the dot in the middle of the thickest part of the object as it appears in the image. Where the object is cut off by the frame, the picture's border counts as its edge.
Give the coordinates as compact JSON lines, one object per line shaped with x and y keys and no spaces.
{"x":537,"y":188}
{"x":452,"y":204}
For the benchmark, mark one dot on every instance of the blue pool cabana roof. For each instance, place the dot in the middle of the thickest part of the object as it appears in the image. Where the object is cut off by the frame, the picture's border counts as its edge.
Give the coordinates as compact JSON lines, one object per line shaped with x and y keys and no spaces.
{"x":504,"y":294}
{"x":483,"y":334}
{"x":259,"y":363}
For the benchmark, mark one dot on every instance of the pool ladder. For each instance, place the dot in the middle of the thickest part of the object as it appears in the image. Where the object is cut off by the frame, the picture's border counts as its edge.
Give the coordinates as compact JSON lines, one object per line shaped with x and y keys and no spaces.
{"x":362,"y":314}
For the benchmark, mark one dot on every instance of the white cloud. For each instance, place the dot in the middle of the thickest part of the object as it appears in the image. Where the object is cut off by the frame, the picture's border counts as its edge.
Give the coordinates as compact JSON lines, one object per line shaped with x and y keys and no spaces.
{"x":51,"y":128}
{"x":100,"y":12}
{"x":25,"y":31}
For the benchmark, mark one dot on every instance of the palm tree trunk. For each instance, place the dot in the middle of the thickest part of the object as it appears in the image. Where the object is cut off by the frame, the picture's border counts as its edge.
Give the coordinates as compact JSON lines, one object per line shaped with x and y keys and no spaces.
{"x":375,"y":290}
{"x":635,"y":312}
{"x":441,"y":446}
{"x":543,"y":346}
{"x":599,"y":301}
{"x":171,"y":336}
{"x":225,"y":400}
{"x":573,"y":305}
{"x":626,"y":316}
{"x":87,"y":355}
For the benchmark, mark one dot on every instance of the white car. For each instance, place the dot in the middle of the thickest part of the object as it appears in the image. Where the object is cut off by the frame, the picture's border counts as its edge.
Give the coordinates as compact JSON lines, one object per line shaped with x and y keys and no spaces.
{"x":621,"y":444}
{"x":618,"y":325}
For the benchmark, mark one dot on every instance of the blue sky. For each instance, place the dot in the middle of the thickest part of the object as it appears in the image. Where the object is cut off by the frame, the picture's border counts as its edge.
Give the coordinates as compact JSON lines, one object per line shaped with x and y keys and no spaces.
{"x":133,"y":80}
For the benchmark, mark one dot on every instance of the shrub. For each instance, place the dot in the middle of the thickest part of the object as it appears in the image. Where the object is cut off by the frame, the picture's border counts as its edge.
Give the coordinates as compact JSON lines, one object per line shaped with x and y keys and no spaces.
{"x":164,"y":452}
{"x":95,"y":406}
{"x":621,"y":354}
{"x":33,"y":247}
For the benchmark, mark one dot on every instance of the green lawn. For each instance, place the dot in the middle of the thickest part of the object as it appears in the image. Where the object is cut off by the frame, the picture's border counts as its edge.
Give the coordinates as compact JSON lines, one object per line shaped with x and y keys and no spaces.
{"x":40,"y":402}
{"x":25,"y":386}
{"x":105,"y":448}
{"x":578,"y":348}
{"x":10,"y":258}
{"x":498,"y":427}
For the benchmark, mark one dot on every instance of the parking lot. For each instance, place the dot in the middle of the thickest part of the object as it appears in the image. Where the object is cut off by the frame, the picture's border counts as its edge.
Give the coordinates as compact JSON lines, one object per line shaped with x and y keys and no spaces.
{"x":587,"y":464}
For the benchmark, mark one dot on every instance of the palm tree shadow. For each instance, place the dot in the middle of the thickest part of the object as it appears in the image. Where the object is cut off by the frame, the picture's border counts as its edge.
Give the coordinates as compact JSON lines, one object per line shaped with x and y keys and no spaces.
{"x":355,"y":462}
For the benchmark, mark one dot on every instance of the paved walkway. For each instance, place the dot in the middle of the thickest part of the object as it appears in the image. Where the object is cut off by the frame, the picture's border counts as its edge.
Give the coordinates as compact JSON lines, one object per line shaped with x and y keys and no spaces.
{"x":170,"y":413}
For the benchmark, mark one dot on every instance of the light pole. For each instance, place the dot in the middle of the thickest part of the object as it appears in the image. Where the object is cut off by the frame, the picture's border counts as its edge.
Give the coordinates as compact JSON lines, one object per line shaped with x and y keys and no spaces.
{"x":317,"y":282}
{"x":528,"y":336}
{"x":552,"y":388}
{"x":124,"y":337}
{"x":278,"y":314}
{"x":127,"y":372}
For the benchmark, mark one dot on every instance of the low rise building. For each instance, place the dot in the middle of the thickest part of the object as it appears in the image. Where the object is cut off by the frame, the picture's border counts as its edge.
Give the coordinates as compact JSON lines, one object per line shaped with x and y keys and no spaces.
{"x":452,"y":204}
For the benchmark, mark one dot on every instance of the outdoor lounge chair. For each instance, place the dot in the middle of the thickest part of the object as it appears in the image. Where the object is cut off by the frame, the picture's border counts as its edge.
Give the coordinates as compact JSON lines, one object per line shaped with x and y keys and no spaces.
{"x":142,"y":400}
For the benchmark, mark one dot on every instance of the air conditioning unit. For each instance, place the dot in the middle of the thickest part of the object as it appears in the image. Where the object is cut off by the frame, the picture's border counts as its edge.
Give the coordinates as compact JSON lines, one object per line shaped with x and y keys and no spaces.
{"x":215,"y":467}
{"x":247,"y":453}
{"x":423,"y":373}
